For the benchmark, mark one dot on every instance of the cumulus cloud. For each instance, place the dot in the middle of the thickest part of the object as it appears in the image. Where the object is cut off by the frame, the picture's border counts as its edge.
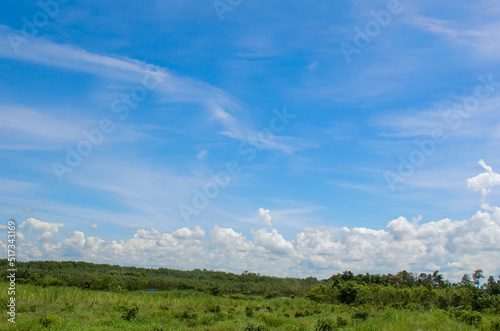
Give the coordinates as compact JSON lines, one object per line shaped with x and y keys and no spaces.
{"x":228,"y":238}
{"x":185,"y":233}
{"x":47,"y":230}
{"x":93,"y":226}
{"x":265,"y":216}
{"x":273,"y":241}
{"x":454,"y":247}
{"x":484,"y":182}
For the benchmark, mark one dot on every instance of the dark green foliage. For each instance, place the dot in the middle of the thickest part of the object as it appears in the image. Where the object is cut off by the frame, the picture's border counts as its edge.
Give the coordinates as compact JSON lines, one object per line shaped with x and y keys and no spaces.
{"x":362,"y":315}
{"x":270,"y":295}
{"x":302,"y":313}
{"x":213,"y":309}
{"x":325,"y":324}
{"x":129,"y":313}
{"x":341,"y":322}
{"x":116,"y":278}
{"x":255,"y":327}
{"x":495,"y":325}
{"x":249,"y":312}
{"x":466,"y":316}
{"x":443,"y":302}
{"x":188,"y":314}
{"x":348,"y":293}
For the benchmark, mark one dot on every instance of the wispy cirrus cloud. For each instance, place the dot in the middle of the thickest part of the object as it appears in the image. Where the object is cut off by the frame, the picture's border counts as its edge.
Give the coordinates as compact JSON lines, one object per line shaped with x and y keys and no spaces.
{"x":223,"y":107}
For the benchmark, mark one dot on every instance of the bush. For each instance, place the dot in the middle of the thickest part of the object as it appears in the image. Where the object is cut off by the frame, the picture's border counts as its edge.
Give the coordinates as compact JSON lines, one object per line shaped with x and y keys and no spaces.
{"x":213,"y":309}
{"x":469,"y":317}
{"x":249,"y":312}
{"x":324,"y":324}
{"x":272,"y":320}
{"x":130,"y":313}
{"x":495,"y":325}
{"x":443,"y":302}
{"x":270,"y":295}
{"x":348,"y":293}
{"x":302,"y":313}
{"x":255,"y":327}
{"x":341,"y":322}
{"x":188,"y":314}
{"x":362,"y":315}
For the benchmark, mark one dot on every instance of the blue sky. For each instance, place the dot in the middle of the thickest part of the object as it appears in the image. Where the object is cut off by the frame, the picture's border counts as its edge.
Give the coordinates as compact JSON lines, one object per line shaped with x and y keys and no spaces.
{"x":392,"y":130}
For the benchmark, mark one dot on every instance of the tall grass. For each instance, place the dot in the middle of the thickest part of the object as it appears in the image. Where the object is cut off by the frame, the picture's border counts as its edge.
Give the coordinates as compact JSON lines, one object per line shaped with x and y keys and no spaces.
{"x":70,"y":308}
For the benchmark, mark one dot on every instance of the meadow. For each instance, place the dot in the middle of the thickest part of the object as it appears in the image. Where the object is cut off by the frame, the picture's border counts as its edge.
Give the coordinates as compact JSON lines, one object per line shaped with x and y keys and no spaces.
{"x":333,"y":304}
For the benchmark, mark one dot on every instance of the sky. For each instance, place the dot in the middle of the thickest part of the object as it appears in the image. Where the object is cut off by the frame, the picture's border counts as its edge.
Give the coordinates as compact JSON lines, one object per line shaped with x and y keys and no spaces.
{"x":294,"y":139}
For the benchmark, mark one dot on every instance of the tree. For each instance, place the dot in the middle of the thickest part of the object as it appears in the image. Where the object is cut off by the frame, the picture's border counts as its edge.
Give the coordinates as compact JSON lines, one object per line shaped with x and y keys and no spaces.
{"x":466,"y":280}
{"x":478,"y":274}
{"x":437,"y":279}
{"x":348,"y":293}
{"x":492,"y":286}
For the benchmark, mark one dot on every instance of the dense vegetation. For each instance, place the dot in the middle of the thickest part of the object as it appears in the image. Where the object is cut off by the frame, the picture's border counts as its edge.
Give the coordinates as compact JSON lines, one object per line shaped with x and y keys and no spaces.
{"x":85,"y":296}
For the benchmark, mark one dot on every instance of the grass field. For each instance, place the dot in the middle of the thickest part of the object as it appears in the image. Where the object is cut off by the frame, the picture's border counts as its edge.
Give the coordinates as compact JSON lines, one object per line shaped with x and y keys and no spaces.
{"x":69,"y":308}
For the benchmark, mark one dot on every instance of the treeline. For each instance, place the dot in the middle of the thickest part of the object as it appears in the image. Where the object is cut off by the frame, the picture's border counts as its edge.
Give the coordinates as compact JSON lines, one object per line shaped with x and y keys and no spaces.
{"x":117,"y":278}
{"x":411,"y":291}
{"x":404,"y":289}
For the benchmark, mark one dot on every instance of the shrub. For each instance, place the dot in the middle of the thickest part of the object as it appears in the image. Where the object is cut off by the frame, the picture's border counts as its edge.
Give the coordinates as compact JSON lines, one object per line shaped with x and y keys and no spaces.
{"x":249,"y":312}
{"x":270,"y":295}
{"x":130,"y":313}
{"x":495,"y":325}
{"x":362,"y":315}
{"x":348,"y":293}
{"x":341,"y":322}
{"x":188,"y":314}
{"x":255,"y":327}
{"x":324,"y":324}
{"x":469,"y":317}
{"x":213,"y":309}
{"x":272,"y":320}
{"x":302,"y":313}
{"x":215,"y":290}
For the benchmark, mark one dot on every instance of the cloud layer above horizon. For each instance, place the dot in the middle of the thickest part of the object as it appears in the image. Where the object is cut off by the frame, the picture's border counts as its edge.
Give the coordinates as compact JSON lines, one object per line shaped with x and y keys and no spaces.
{"x":454,"y":247}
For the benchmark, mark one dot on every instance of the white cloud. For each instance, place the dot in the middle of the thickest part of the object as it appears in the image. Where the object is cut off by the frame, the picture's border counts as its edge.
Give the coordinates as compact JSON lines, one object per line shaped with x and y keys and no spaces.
{"x":230,"y":239}
{"x":185,"y":233}
{"x":48,"y":230}
{"x":94,"y":226}
{"x":265,"y":216}
{"x":484,"y":182}
{"x":273,"y":241}
{"x":454,"y":247}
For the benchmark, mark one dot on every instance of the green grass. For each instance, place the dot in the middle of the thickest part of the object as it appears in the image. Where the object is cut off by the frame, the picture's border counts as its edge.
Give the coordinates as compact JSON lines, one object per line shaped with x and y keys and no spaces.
{"x":70,"y":308}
